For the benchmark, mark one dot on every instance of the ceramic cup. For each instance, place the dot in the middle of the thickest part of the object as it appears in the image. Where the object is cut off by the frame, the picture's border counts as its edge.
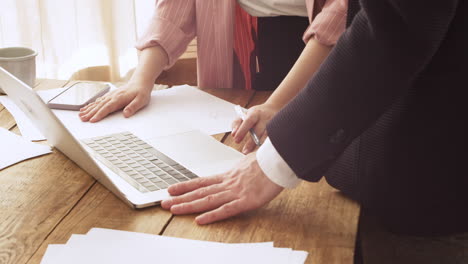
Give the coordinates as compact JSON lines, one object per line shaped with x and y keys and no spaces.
{"x":21,"y":62}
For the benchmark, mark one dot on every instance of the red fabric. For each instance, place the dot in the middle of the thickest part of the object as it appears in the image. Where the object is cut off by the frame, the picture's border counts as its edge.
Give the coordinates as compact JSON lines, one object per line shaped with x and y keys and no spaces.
{"x":245,"y":35}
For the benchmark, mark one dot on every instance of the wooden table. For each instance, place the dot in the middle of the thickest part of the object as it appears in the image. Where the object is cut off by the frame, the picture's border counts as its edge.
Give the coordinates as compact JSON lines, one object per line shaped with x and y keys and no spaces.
{"x":47,"y":199}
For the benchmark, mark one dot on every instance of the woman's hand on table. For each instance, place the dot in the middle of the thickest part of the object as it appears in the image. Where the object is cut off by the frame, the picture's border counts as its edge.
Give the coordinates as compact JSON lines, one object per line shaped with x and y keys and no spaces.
{"x":131,"y":98}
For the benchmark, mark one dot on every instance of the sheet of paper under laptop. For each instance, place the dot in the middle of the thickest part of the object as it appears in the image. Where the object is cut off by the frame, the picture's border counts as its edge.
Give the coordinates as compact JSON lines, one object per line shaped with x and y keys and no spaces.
{"x":112,"y":246}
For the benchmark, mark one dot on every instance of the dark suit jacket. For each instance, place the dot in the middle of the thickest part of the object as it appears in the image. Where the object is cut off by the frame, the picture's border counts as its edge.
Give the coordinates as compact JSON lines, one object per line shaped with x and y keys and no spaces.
{"x":384,"y":119}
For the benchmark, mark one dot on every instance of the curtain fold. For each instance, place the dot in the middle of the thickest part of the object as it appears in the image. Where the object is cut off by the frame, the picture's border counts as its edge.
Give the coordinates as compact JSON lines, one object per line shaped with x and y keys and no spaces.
{"x":77,"y":39}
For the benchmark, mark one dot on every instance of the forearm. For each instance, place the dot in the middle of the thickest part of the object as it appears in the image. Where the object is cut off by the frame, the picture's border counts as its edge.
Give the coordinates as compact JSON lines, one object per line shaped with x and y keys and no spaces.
{"x":150,"y":65}
{"x":306,"y":65}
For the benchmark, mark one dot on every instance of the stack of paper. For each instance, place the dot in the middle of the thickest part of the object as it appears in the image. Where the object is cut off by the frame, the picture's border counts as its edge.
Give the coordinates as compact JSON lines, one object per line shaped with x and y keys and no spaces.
{"x":15,"y":149}
{"x":111,"y":246}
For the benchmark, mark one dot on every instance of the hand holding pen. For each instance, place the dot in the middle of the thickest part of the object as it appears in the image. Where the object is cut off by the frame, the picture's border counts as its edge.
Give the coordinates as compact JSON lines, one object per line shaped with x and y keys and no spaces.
{"x":253,"y":122}
{"x":241,"y":113}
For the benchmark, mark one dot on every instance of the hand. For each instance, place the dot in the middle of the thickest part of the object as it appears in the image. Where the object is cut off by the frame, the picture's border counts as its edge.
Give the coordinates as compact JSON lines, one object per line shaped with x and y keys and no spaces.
{"x":132,"y":97}
{"x":242,"y":189}
{"x":257,"y":118}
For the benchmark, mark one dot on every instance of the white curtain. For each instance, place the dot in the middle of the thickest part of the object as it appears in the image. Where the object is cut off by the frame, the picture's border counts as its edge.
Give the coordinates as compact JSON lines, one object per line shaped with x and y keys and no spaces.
{"x":77,"y":39}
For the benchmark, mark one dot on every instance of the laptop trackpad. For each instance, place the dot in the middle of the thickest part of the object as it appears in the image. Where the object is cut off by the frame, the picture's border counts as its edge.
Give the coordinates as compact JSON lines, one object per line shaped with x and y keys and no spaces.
{"x":198,"y":152}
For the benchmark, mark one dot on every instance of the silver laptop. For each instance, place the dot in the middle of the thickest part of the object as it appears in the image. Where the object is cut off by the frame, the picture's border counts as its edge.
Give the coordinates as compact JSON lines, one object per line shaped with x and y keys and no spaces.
{"x":137,"y":170}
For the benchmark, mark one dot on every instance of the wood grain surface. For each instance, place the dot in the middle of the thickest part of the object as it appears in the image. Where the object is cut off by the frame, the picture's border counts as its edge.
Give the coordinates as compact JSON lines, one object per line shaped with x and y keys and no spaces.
{"x":35,"y":196}
{"x":312,"y":217}
{"x":46,"y":199}
{"x":100,"y":208}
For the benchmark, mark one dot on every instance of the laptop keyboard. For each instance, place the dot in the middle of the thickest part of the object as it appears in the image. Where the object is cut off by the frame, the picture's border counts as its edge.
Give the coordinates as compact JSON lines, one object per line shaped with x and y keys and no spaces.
{"x":137,"y":162}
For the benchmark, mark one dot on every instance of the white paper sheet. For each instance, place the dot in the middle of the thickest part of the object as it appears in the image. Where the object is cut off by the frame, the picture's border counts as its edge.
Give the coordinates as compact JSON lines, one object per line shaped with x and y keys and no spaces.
{"x":27,"y":129}
{"x":112,"y":246}
{"x":171,"y":111}
{"x":14,"y":149}
{"x":200,"y":110}
{"x":103,"y":235}
{"x":176,"y":110}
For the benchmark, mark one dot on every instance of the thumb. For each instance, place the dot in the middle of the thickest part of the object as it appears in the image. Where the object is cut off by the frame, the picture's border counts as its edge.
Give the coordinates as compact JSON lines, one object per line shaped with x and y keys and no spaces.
{"x":133,"y":107}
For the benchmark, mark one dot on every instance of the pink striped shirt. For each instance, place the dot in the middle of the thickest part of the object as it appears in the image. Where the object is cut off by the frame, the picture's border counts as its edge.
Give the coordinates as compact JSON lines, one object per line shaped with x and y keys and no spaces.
{"x":177,"y":22}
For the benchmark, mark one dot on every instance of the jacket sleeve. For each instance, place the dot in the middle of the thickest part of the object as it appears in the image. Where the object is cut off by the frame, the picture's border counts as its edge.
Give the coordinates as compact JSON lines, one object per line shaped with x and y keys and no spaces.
{"x":387,"y":45}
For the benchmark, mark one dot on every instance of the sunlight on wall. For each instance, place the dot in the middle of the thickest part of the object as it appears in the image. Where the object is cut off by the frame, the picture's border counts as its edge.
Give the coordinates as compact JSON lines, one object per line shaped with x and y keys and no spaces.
{"x":77,"y":36}
{"x":128,"y":61}
{"x":95,"y":55}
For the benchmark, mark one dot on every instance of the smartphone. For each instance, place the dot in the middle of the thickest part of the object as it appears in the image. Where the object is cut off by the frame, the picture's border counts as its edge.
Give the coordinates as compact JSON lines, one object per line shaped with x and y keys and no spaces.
{"x":78,"y":95}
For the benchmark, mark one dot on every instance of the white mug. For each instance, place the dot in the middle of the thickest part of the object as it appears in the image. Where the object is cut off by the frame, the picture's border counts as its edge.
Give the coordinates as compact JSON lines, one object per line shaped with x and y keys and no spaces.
{"x":21,"y":62}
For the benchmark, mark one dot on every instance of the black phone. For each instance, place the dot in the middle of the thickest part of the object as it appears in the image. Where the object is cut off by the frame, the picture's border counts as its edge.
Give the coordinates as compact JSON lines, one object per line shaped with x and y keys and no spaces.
{"x":78,"y":95}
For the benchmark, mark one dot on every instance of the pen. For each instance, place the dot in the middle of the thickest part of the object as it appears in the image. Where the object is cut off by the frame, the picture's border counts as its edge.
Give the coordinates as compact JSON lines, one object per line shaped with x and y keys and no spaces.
{"x":241,"y":113}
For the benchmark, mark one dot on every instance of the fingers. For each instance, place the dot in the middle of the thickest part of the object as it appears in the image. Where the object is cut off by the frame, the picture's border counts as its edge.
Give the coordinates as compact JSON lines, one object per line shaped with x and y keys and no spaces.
{"x":185,"y":187}
{"x":87,"y":108}
{"x":192,"y":196}
{"x":223,"y":196}
{"x":106,"y":105}
{"x":228,"y":210}
{"x":89,"y":105}
{"x":88,"y":113}
{"x":250,"y":145}
{"x":104,"y":109}
{"x":134,"y":106}
{"x":249,"y":122}
{"x":99,"y":99}
{"x":207,"y":203}
{"x":235,"y":126}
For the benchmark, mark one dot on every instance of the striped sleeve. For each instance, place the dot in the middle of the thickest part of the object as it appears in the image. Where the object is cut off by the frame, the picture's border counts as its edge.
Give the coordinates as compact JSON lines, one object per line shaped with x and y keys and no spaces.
{"x":172,"y":27}
{"x":329,"y":24}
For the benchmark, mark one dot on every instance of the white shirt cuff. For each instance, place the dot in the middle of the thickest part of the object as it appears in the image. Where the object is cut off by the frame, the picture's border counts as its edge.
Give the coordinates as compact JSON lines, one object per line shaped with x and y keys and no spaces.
{"x":274,"y":166}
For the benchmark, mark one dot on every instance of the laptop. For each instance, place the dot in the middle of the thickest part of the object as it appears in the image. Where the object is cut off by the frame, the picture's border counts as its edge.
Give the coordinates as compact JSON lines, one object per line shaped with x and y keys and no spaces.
{"x":137,"y":170}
